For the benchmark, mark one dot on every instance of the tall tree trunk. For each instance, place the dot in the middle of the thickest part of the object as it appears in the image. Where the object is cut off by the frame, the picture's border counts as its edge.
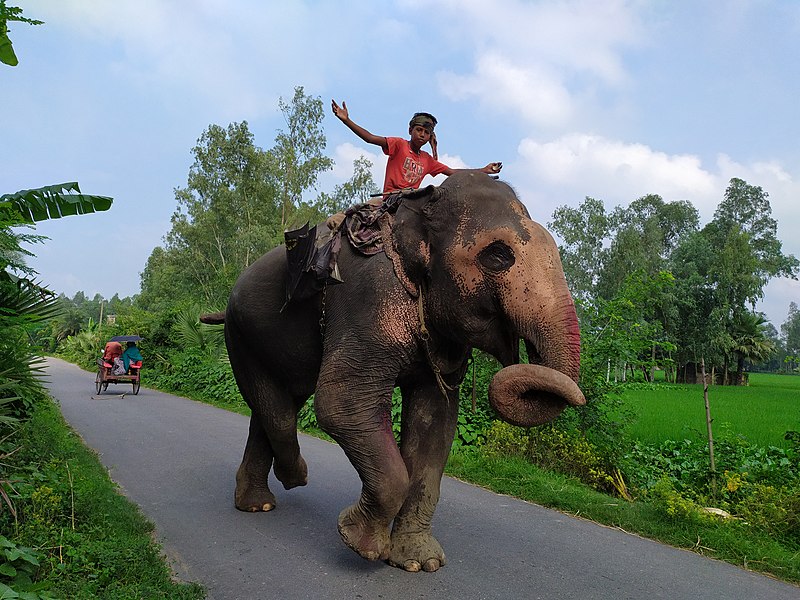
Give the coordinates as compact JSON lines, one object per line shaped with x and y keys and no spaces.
{"x":653,"y":363}
{"x":725,"y":372}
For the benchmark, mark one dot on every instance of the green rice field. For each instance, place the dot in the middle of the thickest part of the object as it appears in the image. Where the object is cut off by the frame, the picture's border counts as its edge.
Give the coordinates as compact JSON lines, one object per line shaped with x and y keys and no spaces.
{"x":761,"y":412}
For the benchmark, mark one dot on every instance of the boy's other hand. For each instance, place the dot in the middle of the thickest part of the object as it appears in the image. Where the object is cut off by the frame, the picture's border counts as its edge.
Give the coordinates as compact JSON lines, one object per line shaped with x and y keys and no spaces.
{"x":340,"y":111}
{"x":434,"y":146}
{"x":492,"y":168}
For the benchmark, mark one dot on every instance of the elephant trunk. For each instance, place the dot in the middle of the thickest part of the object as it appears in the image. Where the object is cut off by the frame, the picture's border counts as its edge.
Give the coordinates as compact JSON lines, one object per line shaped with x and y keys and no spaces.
{"x":528,"y":395}
{"x":533,"y":394}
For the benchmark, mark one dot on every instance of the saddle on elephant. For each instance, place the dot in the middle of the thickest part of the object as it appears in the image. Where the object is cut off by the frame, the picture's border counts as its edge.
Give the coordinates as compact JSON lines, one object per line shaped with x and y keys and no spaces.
{"x":312,"y":254}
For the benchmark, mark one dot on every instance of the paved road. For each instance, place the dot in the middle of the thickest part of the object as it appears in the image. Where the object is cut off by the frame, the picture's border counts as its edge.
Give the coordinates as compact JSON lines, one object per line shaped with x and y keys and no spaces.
{"x":176,"y":459}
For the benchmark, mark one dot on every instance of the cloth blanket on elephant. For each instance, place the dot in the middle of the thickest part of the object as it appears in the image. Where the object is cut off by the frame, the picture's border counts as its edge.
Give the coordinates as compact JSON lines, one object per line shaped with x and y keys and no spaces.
{"x":365,"y":224}
{"x":312,"y":255}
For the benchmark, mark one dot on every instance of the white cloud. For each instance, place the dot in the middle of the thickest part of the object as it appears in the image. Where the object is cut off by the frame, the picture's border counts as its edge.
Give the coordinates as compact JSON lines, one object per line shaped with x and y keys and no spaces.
{"x":227,"y":57}
{"x":621,"y":171}
{"x":528,"y":90}
{"x":541,"y":60}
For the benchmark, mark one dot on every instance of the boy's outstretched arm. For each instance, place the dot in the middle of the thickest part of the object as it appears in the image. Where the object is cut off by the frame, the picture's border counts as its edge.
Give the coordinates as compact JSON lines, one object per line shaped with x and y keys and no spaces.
{"x":342,"y":114}
{"x":493,"y":168}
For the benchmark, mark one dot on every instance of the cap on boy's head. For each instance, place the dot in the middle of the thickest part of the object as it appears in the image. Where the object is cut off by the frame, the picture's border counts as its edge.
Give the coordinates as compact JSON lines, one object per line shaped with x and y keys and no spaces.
{"x":426,"y":120}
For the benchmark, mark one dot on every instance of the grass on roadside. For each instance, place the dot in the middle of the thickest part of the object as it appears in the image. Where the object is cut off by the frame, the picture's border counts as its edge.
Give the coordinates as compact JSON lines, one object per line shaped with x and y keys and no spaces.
{"x":731,"y":541}
{"x":95,"y":543}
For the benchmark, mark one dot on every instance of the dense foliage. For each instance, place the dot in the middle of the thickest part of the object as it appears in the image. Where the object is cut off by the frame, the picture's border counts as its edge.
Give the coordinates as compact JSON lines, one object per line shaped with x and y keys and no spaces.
{"x":658,"y":290}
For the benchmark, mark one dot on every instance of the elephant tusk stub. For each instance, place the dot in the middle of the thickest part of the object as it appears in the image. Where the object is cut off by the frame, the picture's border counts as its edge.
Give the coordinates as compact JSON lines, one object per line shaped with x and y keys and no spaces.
{"x":528,"y":395}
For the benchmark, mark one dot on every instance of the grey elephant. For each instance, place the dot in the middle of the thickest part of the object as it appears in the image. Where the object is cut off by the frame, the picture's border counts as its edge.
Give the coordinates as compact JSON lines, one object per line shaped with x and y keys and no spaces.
{"x":464,"y":267}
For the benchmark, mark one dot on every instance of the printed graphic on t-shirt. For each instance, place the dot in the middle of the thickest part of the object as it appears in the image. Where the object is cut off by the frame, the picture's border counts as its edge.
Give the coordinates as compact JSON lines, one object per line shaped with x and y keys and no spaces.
{"x":412,"y":171}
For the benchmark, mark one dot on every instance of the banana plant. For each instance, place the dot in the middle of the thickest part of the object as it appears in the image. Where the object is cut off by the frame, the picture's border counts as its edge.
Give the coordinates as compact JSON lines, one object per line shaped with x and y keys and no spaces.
{"x":23,"y":300}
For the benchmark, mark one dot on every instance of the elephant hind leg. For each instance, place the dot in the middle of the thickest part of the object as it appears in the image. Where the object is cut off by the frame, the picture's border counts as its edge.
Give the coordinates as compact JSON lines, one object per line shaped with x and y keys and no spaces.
{"x":272,"y":439}
{"x":252,"y":489}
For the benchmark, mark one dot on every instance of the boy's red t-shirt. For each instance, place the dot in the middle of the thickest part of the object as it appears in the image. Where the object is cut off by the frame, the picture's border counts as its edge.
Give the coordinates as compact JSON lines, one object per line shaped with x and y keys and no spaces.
{"x":405,"y":169}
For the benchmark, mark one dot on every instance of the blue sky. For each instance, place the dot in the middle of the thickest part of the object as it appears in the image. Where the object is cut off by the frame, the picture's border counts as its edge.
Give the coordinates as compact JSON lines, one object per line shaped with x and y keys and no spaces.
{"x":610,"y":99}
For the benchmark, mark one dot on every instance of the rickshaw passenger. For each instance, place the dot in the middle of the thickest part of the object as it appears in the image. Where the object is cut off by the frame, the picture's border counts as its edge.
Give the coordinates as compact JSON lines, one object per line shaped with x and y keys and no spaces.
{"x":113,"y":350}
{"x":131,"y":354}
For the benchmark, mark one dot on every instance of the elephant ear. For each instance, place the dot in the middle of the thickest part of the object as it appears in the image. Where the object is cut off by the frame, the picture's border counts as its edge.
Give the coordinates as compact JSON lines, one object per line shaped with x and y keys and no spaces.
{"x":411,"y":231}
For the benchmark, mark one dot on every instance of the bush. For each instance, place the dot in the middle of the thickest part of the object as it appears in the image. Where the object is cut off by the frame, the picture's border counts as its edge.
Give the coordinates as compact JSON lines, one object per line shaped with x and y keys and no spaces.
{"x":199,"y":374}
{"x":554,"y":449}
{"x":758,"y":485}
{"x":665,"y":497}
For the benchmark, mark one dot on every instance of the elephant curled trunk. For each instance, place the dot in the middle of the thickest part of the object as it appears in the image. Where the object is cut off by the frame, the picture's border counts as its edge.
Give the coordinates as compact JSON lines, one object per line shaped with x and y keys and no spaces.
{"x":528,"y":395}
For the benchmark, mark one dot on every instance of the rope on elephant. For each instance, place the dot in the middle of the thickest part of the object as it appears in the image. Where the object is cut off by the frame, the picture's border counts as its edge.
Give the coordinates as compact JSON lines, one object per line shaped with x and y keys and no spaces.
{"x":426,"y":336}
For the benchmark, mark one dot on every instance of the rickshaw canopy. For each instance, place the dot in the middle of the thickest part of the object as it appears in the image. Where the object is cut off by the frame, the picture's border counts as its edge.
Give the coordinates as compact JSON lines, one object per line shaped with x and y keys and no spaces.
{"x":125,"y":338}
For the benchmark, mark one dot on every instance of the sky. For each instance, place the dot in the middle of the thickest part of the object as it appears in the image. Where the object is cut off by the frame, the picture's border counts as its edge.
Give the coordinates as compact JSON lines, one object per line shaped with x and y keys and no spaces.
{"x":610,"y":99}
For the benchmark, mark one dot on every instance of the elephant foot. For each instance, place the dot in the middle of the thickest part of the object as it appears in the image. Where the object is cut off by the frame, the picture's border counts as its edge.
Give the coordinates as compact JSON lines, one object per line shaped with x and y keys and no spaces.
{"x":363,"y":535}
{"x":416,"y":552}
{"x":263,"y":502}
{"x":252,"y":498}
{"x":295,"y":476}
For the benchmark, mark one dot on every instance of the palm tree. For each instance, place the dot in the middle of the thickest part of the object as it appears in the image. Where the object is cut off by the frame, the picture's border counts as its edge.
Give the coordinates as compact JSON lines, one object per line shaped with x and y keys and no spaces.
{"x":750,"y":341}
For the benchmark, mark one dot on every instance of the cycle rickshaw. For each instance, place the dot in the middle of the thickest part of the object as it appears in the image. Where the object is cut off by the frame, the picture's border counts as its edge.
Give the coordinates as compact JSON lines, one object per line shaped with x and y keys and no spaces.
{"x":106,"y":365}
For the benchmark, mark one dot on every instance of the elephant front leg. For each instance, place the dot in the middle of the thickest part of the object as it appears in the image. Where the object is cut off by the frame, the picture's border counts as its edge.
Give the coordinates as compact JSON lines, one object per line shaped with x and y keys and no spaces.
{"x":362,"y":426}
{"x":429,"y":424}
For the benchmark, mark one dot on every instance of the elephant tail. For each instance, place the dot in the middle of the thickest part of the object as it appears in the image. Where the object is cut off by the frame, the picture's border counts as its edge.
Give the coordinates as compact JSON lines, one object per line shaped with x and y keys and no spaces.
{"x":217,"y":318}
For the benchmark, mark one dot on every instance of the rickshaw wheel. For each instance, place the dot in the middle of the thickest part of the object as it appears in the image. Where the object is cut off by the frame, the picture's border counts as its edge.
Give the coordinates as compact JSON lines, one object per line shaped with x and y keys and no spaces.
{"x":98,"y":382}
{"x":136,"y":385}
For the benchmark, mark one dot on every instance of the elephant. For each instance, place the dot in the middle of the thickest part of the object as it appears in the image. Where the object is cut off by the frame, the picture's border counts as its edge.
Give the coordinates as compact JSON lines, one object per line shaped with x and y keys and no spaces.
{"x":464,"y":267}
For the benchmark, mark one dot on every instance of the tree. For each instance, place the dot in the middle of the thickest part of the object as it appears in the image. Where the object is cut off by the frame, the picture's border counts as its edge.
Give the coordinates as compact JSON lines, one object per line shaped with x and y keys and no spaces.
{"x":618,"y":332}
{"x":583,"y":231}
{"x":23,"y":301}
{"x":356,"y":190}
{"x":297,"y":154}
{"x":644,"y":234}
{"x":237,"y":203}
{"x":790,"y":333}
{"x":227,"y":216}
{"x":747,"y":208}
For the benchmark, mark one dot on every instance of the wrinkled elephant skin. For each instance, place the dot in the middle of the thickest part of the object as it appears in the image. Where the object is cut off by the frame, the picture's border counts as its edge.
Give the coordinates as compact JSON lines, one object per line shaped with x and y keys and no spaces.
{"x":466,"y":268}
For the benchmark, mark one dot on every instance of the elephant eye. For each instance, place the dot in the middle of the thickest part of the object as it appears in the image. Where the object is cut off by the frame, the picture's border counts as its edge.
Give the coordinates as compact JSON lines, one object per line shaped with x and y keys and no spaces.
{"x":497,"y":257}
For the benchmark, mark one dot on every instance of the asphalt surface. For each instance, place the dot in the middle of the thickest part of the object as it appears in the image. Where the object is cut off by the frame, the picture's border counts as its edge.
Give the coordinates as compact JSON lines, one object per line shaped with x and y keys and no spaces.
{"x":176,"y":459}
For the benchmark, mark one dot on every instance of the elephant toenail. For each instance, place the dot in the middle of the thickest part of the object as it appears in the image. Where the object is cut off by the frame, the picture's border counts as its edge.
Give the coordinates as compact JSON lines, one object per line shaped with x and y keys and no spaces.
{"x":431,"y":565}
{"x":412,"y":566}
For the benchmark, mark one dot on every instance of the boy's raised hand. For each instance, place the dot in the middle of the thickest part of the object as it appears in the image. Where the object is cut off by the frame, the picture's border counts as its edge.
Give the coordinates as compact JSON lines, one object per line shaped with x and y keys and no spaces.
{"x":492,"y":168}
{"x":340,"y":111}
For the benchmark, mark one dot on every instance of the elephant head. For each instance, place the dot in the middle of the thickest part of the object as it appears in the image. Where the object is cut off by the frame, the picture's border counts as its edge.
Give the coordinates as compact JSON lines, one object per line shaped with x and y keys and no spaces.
{"x":492,"y":276}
